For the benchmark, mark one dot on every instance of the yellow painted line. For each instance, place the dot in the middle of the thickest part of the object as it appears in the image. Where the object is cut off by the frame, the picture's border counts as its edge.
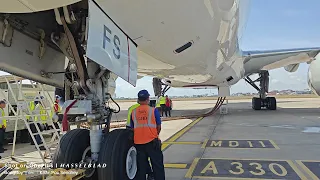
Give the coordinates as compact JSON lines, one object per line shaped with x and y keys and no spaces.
{"x":192,"y":167}
{"x":309,"y":160}
{"x":294,"y":167}
{"x":181,"y":142}
{"x":204,"y":143}
{"x":180,"y":133}
{"x":274,"y":144}
{"x":307,"y":170}
{"x":178,"y":166}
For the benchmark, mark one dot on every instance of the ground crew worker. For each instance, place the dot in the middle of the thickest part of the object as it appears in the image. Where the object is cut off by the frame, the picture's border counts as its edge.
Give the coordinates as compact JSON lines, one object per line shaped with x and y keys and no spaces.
{"x":56,"y":110}
{"x":43,"y":114}
{"x":158,"y":104}
{"x":36,"y":112}
{"x":3,"y":125}
{"x":168,"y":106}
{"x":146,"y":125}
{"x":131,"y":108}
{"x":31,"y":107}
{"x":130,"y":111}
{"x":162,"y":104}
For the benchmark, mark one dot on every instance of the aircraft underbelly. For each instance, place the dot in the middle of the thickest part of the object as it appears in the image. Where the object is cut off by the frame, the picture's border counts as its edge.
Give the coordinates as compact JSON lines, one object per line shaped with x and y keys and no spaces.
{"x":180,"y":39}
{"x":26,"y":6}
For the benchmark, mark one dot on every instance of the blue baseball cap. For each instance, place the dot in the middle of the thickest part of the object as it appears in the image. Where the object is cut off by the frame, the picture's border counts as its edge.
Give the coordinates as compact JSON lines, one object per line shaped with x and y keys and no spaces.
{"x":143,"y":95}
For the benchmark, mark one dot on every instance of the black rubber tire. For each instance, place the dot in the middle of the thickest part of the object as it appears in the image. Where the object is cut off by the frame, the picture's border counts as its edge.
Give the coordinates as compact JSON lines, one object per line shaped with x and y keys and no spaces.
{"x":71,"y":148}
{"x":272,"y":103}
{"x":113,"y":153}
{"x":24,"y":136}
{"x":256,"y":103}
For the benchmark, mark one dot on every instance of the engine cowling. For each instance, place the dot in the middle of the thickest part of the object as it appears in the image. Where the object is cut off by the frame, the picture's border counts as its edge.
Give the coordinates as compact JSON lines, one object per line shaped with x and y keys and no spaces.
{"x":314,"y":75}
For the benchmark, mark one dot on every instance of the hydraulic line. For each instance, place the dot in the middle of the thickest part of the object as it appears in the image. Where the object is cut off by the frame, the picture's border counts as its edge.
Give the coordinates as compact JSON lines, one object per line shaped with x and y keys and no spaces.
{"x":217,"y":106}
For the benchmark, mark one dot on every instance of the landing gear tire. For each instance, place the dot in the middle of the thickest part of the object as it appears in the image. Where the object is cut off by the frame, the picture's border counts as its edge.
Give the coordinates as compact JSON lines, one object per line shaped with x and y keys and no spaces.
{"x":119,"y":154}
{"x":271,"y":103}
{"x":71,"y":150}
{"x":256,"y":103}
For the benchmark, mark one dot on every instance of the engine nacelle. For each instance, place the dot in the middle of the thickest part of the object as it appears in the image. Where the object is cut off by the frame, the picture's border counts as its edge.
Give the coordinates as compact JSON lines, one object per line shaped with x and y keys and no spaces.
{"x":314,"y":75}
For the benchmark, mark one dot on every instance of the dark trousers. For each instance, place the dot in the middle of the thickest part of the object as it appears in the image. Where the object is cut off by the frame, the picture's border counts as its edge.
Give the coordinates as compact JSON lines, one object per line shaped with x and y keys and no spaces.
{"x":163,"y":108}
{"x":34,"y":130}
{"x":168,"y":111}
{"x":2,"y":132}
{"x":144,"y":152}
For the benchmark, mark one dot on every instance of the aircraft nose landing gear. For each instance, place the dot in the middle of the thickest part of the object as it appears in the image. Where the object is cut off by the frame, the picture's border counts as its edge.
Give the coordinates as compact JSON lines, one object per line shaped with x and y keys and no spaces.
{"x":263,"y":101}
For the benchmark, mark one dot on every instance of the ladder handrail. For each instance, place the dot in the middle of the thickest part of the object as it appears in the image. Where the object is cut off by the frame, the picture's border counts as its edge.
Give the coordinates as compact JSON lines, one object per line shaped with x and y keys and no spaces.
{"x":20,"y":114}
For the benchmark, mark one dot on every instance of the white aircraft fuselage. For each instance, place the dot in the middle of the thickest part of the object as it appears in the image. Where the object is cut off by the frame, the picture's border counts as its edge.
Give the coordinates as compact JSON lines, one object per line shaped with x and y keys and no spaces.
{"x":208,"y":28}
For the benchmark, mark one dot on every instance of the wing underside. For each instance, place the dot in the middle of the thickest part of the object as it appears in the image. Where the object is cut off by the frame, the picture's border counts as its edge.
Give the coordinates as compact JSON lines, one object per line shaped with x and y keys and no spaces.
{"x":254,"y":61}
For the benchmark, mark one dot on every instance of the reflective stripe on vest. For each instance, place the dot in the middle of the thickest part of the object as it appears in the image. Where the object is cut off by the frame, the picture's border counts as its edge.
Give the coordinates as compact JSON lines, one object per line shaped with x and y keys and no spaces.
{"x":138,"y":125}
{"x":42,"y":112}
{"x":31,"y":107}
{"x":3,"y":121}
{"x":129,"y":113}
{"x":145,"y":128}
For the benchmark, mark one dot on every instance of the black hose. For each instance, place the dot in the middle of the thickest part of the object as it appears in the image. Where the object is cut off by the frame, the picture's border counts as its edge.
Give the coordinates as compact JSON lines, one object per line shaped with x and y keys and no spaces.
{"x":115,"y":103}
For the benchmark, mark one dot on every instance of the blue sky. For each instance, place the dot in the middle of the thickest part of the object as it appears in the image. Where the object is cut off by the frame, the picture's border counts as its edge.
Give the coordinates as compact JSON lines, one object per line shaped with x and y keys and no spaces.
{"x":271,"y":24}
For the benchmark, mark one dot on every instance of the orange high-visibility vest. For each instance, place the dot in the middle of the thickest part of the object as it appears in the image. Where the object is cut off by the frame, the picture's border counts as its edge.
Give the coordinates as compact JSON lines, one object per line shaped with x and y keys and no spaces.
{"x":145,"y":127}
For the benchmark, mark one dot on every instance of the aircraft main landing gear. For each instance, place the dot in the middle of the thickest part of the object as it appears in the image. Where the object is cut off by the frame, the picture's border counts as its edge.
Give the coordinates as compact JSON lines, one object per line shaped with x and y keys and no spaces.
{"x":99,"y":152}
{"x":157,"y":86}
{"x":262,"y":101}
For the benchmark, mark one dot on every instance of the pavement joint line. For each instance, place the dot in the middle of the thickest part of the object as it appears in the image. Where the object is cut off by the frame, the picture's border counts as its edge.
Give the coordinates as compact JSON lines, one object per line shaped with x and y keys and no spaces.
{"x":307,"y":170}
{"x":178,"y":134}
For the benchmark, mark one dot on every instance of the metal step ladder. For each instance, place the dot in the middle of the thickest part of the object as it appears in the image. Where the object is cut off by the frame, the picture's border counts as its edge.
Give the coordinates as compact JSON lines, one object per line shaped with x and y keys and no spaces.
{"x":23,"y":111}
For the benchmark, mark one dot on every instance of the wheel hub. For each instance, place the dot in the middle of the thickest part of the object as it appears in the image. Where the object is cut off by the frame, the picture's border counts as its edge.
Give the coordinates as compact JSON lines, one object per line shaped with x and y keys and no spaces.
{"x":131,"y":163}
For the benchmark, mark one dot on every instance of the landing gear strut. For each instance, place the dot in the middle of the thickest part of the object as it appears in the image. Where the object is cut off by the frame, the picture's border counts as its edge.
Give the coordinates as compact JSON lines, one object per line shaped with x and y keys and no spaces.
{"x":263,"y":101}
{"x":104,"y":154}
{"x":158,"y":88}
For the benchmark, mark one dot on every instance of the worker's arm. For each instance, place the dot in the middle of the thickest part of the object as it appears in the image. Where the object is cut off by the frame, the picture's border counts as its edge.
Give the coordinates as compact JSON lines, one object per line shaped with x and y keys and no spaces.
{"x":129,"y":119}
{"x":131,"y":125}
{"x":158,"y":120}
